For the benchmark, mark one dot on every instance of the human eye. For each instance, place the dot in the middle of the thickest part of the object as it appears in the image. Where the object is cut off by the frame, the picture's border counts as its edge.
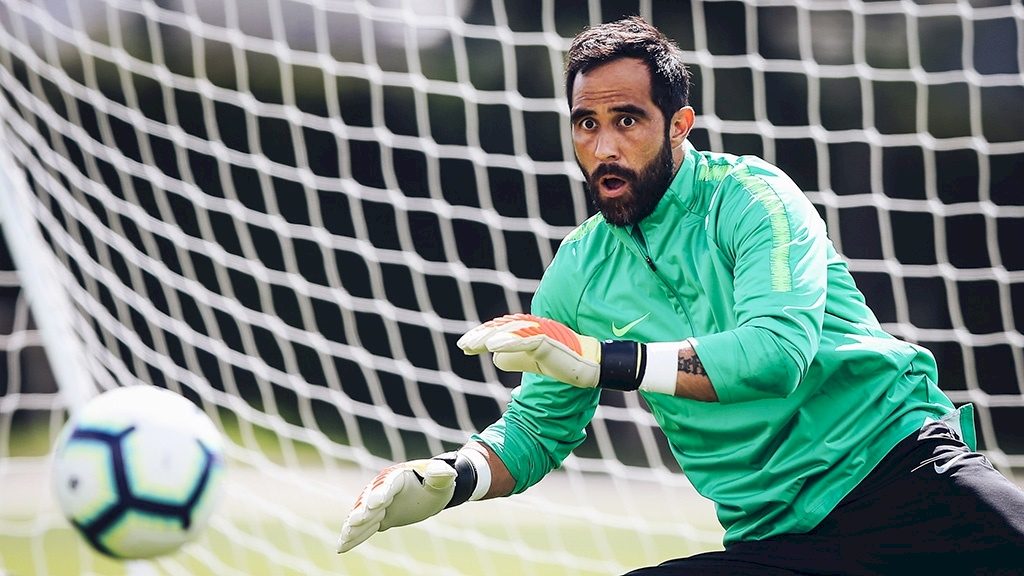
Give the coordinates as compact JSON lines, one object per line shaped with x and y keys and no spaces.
{"x":627,"y":121}
{"x":587,"y":124}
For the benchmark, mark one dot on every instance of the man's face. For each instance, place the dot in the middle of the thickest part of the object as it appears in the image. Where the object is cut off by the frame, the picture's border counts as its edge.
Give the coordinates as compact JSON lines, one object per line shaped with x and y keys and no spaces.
{"x":619,"y":136}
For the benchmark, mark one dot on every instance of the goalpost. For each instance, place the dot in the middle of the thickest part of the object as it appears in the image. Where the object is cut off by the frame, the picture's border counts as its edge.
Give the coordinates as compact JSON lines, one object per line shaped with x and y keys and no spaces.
{"x":290,"y":210}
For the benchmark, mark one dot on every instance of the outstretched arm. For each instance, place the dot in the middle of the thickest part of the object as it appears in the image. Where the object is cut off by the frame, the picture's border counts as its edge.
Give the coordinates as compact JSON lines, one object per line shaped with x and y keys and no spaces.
{"x":413,"y":491}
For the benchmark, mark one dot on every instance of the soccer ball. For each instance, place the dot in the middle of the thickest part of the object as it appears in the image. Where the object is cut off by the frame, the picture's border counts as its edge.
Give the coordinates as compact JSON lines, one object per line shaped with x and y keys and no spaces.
{"x":138,"y":470}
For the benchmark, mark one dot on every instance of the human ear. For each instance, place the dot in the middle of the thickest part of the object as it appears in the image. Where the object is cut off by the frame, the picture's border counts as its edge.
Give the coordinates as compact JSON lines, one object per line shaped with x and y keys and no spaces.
{"x":680,"y":125}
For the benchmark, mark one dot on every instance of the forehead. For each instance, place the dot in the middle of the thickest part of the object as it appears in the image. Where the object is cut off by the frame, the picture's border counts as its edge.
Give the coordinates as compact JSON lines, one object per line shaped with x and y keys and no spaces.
{"x":621,"y":81}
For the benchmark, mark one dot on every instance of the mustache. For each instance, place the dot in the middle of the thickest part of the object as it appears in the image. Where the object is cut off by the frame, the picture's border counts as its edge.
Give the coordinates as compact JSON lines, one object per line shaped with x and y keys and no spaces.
{"x":613,"y":170}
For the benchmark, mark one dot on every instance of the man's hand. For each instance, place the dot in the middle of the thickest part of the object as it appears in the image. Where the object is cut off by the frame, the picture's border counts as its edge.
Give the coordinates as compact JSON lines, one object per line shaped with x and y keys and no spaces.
{"x":401,"y":494}
{"x":527,"y":343}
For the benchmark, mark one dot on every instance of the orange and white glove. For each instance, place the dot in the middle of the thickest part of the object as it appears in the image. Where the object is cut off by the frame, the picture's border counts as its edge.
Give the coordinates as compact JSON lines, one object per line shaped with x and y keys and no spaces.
{"x":528,"y":343}
{"x":401,"y":494}
{"x":413,"y":491}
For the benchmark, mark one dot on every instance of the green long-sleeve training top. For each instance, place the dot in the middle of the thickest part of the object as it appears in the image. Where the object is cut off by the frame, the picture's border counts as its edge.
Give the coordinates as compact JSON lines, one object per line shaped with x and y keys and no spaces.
{"x":813,"y":393}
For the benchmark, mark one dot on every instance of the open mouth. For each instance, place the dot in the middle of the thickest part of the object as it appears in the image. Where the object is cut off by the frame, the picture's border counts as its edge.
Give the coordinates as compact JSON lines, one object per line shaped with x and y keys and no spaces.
{"x":613,"y":184}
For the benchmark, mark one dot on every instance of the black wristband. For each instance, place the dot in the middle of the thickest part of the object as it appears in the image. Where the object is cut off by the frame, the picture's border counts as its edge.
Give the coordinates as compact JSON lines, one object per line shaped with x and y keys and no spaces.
{"x":465,"y":477}
{"x":622,"y":364}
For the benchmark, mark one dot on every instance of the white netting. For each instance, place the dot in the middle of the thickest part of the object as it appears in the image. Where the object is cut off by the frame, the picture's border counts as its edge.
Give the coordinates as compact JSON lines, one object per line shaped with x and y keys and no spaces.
{"x":289,"y":210}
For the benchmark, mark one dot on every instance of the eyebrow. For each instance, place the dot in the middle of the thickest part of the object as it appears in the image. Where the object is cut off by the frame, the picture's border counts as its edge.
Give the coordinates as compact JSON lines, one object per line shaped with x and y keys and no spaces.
{"x":631,"y":109}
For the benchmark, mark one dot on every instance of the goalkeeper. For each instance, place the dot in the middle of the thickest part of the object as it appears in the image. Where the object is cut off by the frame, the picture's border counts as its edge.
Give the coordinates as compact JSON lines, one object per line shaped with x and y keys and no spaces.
{"x":707,"y":284}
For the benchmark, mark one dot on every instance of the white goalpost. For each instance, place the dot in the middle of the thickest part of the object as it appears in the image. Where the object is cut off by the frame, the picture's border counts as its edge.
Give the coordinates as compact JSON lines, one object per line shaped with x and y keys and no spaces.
{"x":289,"y":210}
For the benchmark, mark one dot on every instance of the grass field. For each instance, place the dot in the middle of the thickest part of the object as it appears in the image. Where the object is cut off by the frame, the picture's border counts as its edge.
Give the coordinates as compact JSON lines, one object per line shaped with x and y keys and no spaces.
{"x":267,"y":527}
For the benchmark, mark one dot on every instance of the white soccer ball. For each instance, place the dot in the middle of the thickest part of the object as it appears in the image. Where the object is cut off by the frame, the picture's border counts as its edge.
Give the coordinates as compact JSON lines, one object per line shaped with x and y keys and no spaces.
{"x":138,"y":471}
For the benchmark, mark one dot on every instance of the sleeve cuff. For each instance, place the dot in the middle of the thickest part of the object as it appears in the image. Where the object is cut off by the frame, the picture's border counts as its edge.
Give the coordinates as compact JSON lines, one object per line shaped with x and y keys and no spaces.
{"x":483,"y":473}
{"x":662,"y":367}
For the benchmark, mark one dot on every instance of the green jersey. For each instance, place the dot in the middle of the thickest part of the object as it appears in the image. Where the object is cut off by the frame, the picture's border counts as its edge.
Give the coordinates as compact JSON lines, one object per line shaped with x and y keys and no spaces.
{"x":813,"y":393}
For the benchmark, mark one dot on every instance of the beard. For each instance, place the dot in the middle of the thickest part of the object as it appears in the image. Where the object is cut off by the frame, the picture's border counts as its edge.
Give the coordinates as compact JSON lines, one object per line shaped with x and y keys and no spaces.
{"x":646,"y":188}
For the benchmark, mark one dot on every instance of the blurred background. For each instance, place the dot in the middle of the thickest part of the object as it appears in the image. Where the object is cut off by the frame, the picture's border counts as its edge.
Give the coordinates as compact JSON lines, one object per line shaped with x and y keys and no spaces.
{"x":289,"y":210}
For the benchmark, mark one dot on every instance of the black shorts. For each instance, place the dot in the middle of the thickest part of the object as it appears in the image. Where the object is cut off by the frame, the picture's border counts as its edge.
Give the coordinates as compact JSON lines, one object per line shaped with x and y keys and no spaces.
{"x":931,"y":506}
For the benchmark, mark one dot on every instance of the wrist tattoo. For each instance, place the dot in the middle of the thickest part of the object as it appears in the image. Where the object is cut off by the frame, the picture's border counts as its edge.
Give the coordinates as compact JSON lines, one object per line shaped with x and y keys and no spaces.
{"x":691,"y":365}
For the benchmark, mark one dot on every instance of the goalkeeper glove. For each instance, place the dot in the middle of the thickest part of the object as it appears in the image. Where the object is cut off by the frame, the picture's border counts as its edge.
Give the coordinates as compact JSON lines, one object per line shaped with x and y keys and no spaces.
{"x":528,"y":343}
{"x":413,"y":491}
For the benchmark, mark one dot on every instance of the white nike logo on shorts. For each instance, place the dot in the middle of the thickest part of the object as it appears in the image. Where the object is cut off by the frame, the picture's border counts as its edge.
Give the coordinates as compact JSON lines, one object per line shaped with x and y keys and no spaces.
{"x":945,"y":466}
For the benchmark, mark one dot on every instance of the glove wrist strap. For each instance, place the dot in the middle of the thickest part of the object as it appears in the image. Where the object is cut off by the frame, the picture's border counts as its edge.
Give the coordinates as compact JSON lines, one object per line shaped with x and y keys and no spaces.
{"x":472,"y":475}
{"x":622,"y":364}
{"x":465,"y":477}
{"x":628,"y":365}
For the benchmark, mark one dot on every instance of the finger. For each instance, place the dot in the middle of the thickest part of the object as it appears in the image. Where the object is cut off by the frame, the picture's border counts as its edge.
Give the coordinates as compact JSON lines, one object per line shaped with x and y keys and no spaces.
{"x":358,"y":516}
{"x":354,"y":535}
{"x":545,"y":328}
{"x":516,"y":334}
{"x":384,"y":493}
{"x":475,"y":341}
{"x":438,"y":476}
{"x":512,"y":342}
{"x":361,"y":523}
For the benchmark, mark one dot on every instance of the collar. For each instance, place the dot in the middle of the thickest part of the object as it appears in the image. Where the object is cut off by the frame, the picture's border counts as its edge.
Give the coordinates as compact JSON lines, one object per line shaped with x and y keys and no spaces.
{"x":681,"y":190}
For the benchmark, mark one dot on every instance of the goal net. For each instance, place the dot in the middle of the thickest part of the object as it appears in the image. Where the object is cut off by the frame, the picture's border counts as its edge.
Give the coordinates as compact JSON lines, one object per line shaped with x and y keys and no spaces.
{"x":290,"y":210}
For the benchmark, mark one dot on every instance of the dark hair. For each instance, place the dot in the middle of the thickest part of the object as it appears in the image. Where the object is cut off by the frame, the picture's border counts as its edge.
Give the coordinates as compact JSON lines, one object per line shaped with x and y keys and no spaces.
{"x":632,"y":37}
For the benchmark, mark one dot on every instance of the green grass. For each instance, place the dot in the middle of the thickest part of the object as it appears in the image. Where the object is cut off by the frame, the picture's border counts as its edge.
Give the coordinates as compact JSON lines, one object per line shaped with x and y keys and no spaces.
{"x":477,"y":538}
{"x":64,"y":554}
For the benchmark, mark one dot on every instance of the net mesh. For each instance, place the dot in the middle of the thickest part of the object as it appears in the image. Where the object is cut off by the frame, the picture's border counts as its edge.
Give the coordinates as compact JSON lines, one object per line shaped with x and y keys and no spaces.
{"x":290,"y":210}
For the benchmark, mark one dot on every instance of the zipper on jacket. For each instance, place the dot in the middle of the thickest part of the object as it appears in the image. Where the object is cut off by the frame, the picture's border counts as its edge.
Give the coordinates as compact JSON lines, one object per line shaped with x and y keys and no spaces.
{"x":641,"y":244}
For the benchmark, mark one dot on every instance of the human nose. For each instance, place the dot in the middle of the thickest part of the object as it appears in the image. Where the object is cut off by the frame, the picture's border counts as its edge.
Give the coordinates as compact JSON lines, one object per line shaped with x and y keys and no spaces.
{"x":606,"y":148}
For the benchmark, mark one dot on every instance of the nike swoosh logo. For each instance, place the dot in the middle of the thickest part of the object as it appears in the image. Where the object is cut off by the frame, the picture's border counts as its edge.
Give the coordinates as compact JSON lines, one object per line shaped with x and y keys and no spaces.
{"x":620,"y":332}
{"x":943,"y":468}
